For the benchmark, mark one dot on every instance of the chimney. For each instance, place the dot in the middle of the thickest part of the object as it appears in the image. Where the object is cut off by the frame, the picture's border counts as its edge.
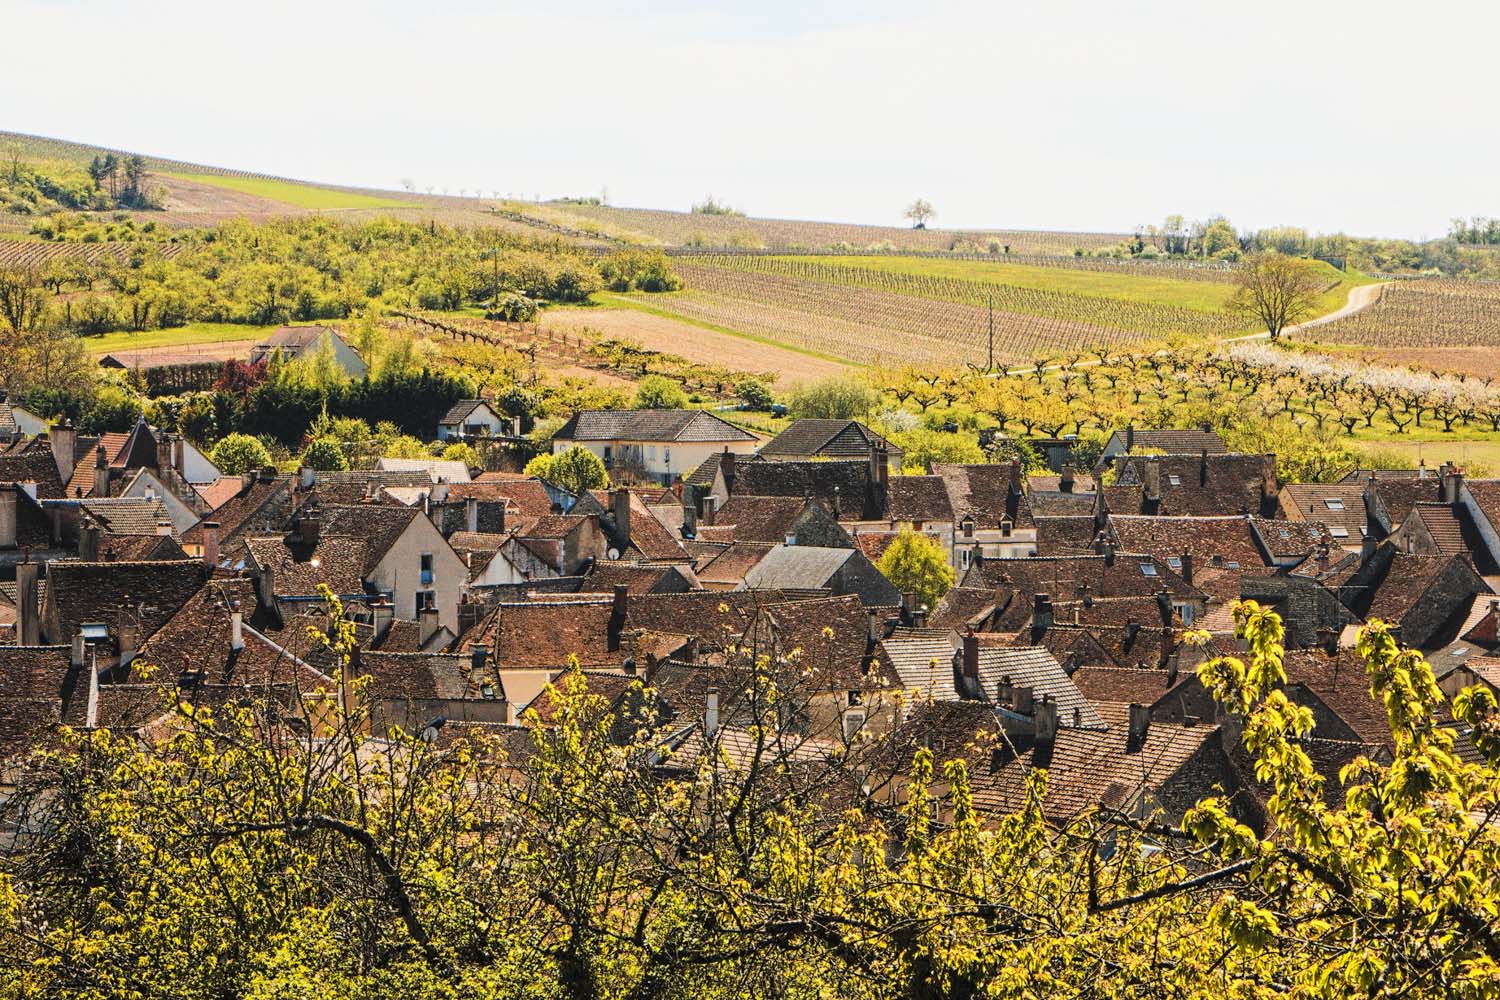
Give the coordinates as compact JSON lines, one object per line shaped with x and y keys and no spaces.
{"x":1140,"y":725}
{"x":88,"y":540}
{"x":711,"y":713}
{"x":919,"y":617}
{"x":880,"y":467}
{"x":10,"y":499}
{"x":970,"y":663}
{"x":726,"y":468}
{"x":1005,"y":691}
{"x":79,"y":660}
{"x":478,"y":653}
{"x":1453,"y":482}
{"x":710,"y":509}
{"x":129,"y":634}
{"x":211,"y":543}
{"x":1066,"y":482}
{"x":28,"y":614}
{"x":1164,"y":606}
{"x":164,"y":529}
{"x":439,"y":492}
{"x":427,"y":625}
{"x":1422,"y":469}
{"x":1152,"y":476}
{"x":179,"y":454}
{"x":268,"y":474}
{"x":101,"y":472}
{"x":689,"y":513}
{"x":1187,"y":566}
{"x":1130,"y":437}
{"x":308,"y":527}
{"x":79,"y":651}
{"x":1203,"y":468}
{"x":471,"y":514}
{"x":1366,"y":549}
{"x":617,"y":614}
{"x":1023,"y":700}
{"x":64,"y":440}
{"x":1109,"y":553}
{"x":1132,"y":629}
{"x":619,"y":506}
{"x":1045,"y":719}
{"x":837,"y":513}
{"x":163,"y":453}
{"x":382,"y":613}
{"x":236,"y":627}
{"x":1322,"y":558}
{"x":1041,"y":617}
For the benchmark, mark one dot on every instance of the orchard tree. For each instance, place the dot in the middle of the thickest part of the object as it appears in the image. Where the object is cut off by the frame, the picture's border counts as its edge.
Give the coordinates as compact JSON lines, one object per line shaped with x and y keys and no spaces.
{"x":1276,"y":290}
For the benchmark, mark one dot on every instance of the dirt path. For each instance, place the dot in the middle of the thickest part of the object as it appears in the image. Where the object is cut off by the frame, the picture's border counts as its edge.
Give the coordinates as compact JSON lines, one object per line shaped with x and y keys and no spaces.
{"x":660,"y":333}
{"x":1360,"y":297}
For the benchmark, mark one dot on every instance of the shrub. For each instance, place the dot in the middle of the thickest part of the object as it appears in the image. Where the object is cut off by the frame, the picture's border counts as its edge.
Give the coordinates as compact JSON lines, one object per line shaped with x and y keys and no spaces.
{"x":657,"y":392}
{"x":237,"y":453}
{"x":755,"y":394}
{"x":833,"y":398}
{"x":916,"y":564}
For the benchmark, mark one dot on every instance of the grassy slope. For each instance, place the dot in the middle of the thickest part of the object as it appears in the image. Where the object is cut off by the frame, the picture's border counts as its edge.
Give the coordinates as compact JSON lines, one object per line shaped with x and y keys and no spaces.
{"x":193,"y":333}
{"x":286,"y":192}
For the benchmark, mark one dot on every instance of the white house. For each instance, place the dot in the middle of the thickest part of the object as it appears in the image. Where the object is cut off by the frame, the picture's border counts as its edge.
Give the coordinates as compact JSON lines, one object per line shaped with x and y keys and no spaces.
{"x":470,"y":418}
{"x":304,"y":341}
{"x":646,"y":445}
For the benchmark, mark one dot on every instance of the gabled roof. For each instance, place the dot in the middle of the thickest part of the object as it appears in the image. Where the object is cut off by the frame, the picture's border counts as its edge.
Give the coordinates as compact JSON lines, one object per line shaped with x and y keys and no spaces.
{"x":830,"y":638}
{"x":1200,"y":485}
{"x":797,"y":567}
{"x":1224,"y":541}
{"x":987,"y":492}
{"x":1063,"y":577}
{"x":297,"y":570}
{"x":431,"y":676}
{"x":650,"y":425}
{"x":459,"y":411}
{"x":296,"y":338}
{"x":379,"y":526}
{"x":922,"y":659}
{"x":760,"y":519}
{"x":1061,"y":536}
{"x":844,"y":484}
{"x":126,"y":516}
{"x":1338,"y":505}
{"x":42,"y":690}
{"x":79,"y":592}
{"x":1170,"y":440}
{"x":809,"y":437}
{"x":1035,"y":668}
{"x":729,"y":567}
{"x":439,"y":470}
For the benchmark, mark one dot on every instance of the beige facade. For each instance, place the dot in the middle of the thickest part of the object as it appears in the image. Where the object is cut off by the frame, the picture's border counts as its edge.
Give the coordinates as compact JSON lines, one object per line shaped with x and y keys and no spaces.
{"x":406,"y":571}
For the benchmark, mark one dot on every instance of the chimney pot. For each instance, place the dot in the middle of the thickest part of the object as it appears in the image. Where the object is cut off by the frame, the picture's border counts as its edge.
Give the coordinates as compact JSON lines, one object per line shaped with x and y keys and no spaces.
{"x":236,"y":627}
{"x":1140,"y":725}
{"x":711,"y":713}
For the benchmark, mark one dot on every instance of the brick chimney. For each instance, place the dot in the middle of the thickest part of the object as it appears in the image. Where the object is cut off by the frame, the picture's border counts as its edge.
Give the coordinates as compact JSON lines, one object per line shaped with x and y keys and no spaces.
{"x":618,"y":612}
{"x":211,"y":543}
{"x":28,"y":610}
{"x":1130,"y":437}
{"x":1041,"y":617}
{"x":1065,"y":483}
{"x":689,"y":513}
{"x":382,"y":613}
{"x":88,"y":540}
{"x":1164,"y":606}
{"x":64,"y":440}
{"x":1203,"y":468}
{"x":1139,"y":726}
{"x":1187,"y":566}
{"x":427,"y":625}
{"x":1453,"y":481}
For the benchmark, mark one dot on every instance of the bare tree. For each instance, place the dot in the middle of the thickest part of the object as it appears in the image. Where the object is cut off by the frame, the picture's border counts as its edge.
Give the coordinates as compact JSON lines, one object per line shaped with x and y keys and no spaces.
{"x":919,"y":212}
{"x":1276,"y":289}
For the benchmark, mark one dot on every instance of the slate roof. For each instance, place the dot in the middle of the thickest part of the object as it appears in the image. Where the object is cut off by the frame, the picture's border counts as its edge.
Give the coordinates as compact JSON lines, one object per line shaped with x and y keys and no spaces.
{"x":809,"y":437}
{"x":649,"y":425}
{"x":730,"y":566}
{"x":42,"y":690}
{"x":796,"y":567}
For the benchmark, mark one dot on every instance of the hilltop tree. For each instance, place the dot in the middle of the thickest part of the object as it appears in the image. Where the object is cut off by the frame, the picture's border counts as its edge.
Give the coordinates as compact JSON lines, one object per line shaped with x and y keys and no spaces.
{"x":1276,"y":290}
{"x":919,"y":212}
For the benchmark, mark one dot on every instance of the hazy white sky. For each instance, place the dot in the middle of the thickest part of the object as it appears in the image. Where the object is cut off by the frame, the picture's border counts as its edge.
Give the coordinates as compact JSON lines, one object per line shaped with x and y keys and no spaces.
{"x":1370,"y":118}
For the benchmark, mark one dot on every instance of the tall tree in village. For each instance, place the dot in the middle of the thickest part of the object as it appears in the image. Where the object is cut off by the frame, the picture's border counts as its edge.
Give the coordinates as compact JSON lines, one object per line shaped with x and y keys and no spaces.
{"x":1276,"y":290}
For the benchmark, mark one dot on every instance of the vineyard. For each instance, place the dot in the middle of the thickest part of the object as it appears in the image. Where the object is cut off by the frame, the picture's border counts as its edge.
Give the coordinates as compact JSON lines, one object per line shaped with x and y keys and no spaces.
{"x":868,"y":315}
{"x":36,"y":253}
{"x":1430,"y":312}
{"x":684,"y":229}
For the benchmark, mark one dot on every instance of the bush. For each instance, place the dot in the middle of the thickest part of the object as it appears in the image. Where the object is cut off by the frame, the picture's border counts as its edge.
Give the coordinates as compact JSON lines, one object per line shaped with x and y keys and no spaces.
{"x":513,"y":307}
{"x":237,"y":453}
{"x":833,"y":398}
{"x":639,"y":270}
{"x":325,"y":455}
{"x":657,"y":392}
{"x":461,"y":452}
{"x":115,"y":408}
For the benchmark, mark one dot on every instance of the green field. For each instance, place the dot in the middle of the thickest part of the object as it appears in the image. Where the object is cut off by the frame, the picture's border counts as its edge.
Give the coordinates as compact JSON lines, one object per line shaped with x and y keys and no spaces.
{"x":193,"y":333}
{"x":1162,"y":291}
{"x":289,"y":193}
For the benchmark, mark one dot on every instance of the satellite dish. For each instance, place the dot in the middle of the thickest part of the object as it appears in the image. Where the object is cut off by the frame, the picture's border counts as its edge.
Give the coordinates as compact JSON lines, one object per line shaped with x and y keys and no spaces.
{"x":613,"y":554}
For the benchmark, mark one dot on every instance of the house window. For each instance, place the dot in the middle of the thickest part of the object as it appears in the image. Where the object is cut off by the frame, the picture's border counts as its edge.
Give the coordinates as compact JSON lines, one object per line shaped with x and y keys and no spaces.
{"x":1004,"y":527}
{"x":853,"y":699}
{"x":968,"y":527}
{"x":964,"y":555}
{"x":1185,"y":612}
{"x":426,"y":569}
{"x":426,"y":599}
{"x":854,"y":721}
{"x":666,"y":455}
{"x":1147,"y":569}
{"x":608,"y":454}
{"x":651,"y":453}
{"x":1334,"y":503}
{"x":1232,"y":564}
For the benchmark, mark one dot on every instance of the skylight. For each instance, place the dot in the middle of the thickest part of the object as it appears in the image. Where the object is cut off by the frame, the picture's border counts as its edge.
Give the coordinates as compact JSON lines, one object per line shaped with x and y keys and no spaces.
{"x":1334,"y":503}
{"x":1338,"y":532}
{"x":1147,"y":569}
{"x":1174,"y":480}
{"x":1232,"y":564}
{"x":1174,"y":561}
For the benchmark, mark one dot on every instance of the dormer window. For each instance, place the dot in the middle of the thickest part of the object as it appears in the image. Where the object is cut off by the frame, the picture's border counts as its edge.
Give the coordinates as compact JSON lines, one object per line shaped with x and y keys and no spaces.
{"x":1005,"y":527}
{"x":968,"y":527}
{"x":1338,"y":532}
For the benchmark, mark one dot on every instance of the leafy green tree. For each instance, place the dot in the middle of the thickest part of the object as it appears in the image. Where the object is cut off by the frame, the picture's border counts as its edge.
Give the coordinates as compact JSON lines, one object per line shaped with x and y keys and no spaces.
{"x":916,"y":564}
{"x":1276,"y":290}
{"x":463,"y":452}
{"x":754,"y":394}
{"x":325,"y":455}
{"x":657,"y":392}
{"x":576,"y":470}
{"x":115,"y":408}
{"x":235,"y":453}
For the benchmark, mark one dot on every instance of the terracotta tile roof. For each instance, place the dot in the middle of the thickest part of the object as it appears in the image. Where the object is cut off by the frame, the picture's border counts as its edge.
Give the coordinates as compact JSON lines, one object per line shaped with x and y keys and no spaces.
{"x":730,"y":566}
{"x":1406,"y":582}
{"x":253,"y":510}
{"x":380,"y":527}
{"x":526,"y":496}
{"x":829,"y":638}
{"x":1124,"y":685}
{"x":1340,"y":682}
{"x":603,"y":577}
{"x":1211,"y":540}
{"x":1201,"y":486}
{"x":1044,"y":504}
{"x":839,"y":483}
{"x":987,"y":492}
{"x":553,"y":526}
{"x":35,"y":466}
{"x":79,"y":592}
{"x":1061,"y":536}
{"x":139,"y":548}
{"x":649,"y":425}
{"x":1454,"y":531}
{"x":477,"y":541}
{"x":874,"y":543}
{"x":969,"y":607}
{"x":918,"y":498}
{"x":544,"y":636}
{"x":421,"y":676}
{"x":1171,"y":440}
{"x":1338,"y":505}
{"x":126,"y":516}
{"x":1083,"y":485}
{"x":219,"y":492}
{"x":1399,"y":496}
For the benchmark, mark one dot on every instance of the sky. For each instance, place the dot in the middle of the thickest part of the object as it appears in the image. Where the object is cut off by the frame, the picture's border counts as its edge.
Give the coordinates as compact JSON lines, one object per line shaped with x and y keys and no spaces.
{"x":1373,"y":119}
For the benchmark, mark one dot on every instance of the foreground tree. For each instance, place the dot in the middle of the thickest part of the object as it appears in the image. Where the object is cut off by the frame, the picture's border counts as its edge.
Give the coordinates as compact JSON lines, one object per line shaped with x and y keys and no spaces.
{"x":1276,"y":290}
